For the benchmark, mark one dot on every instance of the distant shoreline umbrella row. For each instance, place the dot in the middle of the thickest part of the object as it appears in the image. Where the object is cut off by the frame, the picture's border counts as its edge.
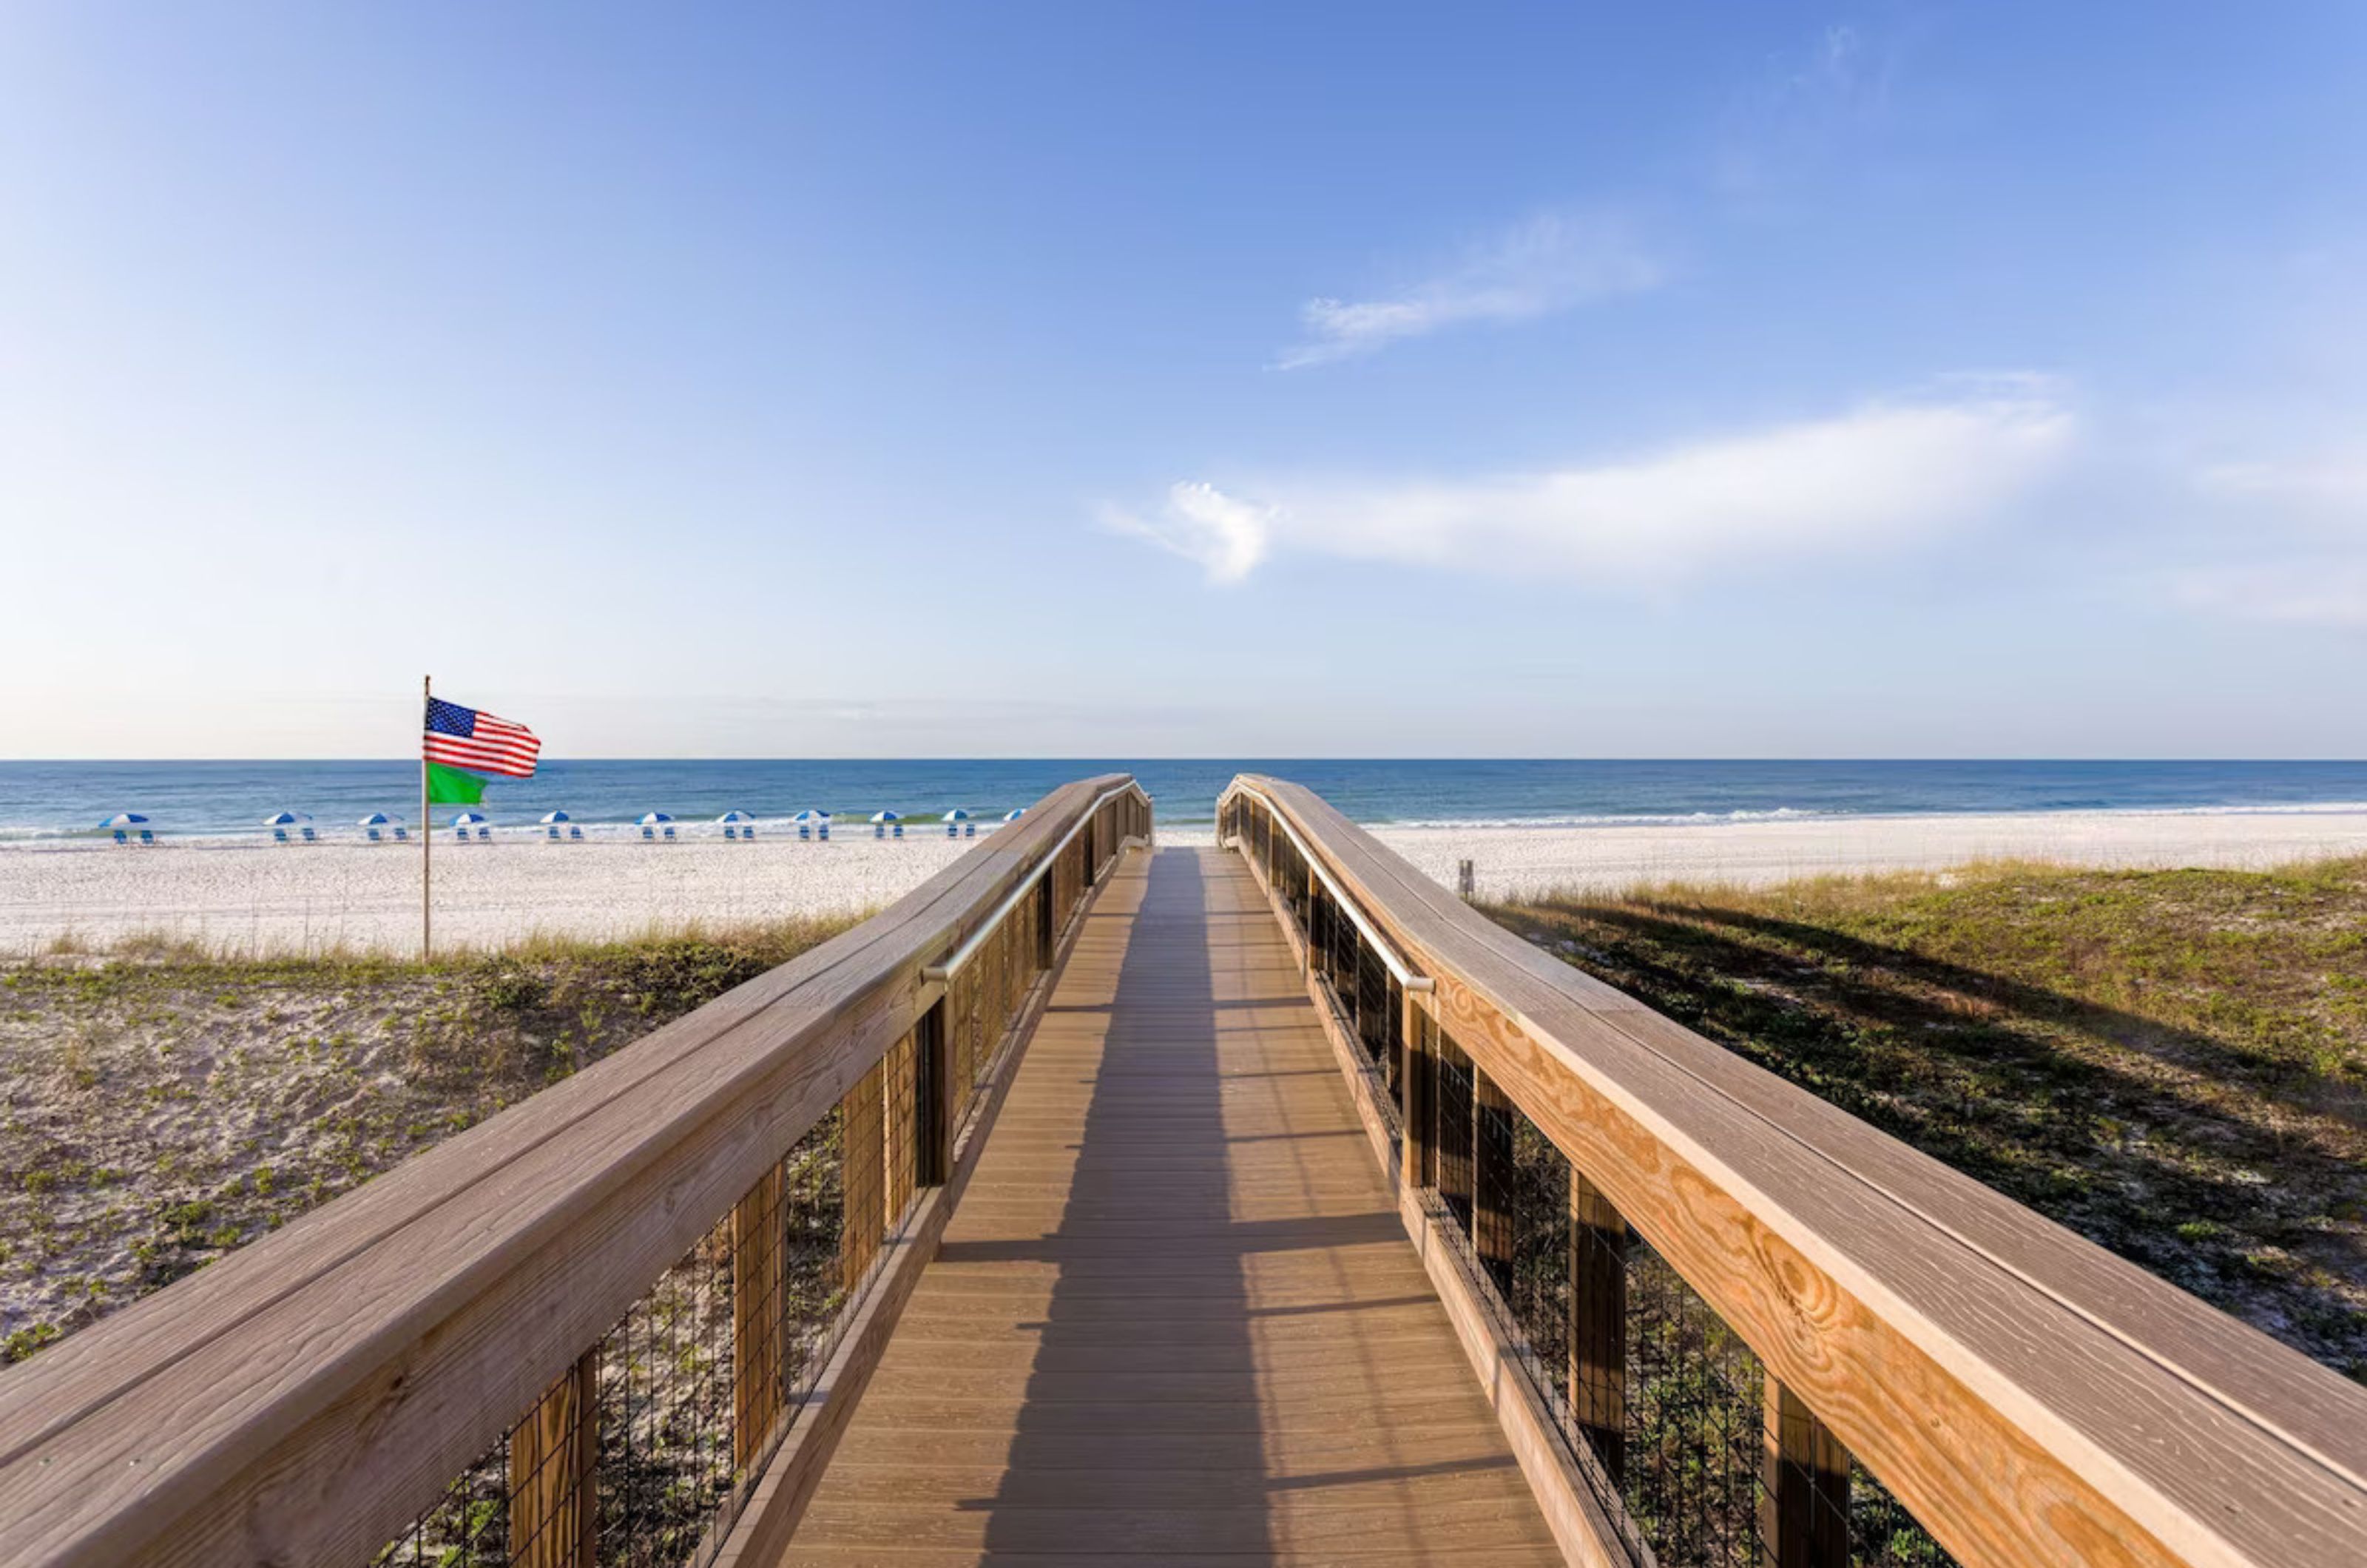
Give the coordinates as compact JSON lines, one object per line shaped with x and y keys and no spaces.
{"x":380,"y":827}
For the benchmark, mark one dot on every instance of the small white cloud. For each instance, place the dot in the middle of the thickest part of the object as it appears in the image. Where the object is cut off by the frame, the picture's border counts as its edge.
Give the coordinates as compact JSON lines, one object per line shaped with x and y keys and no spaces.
{"x":1226,"y":536}
{"x":1548,"y":265}
{"x":1885,"y":473}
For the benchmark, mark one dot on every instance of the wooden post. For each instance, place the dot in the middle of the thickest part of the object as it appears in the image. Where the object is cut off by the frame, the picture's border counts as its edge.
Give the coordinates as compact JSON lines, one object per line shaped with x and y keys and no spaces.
{"x":1598,"y":1323}
{"x":552,"y":1452}
{"x":862,"y":1148}
{"x":759,"y":1317}
{"x":1414,"y":1164}
{"x":933,"y":1131}
{"x":1803,"y":1516}
{"x":898,"y":1117}
{"x":1491,"y":1178}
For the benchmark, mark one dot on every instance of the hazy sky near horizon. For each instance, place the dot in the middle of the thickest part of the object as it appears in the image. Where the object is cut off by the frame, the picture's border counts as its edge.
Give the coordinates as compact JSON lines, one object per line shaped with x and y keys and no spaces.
{"x":1130,"y":379}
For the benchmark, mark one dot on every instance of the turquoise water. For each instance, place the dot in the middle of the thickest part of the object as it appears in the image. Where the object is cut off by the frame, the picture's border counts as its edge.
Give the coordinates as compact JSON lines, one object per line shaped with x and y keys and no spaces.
{"x":52,"y":800}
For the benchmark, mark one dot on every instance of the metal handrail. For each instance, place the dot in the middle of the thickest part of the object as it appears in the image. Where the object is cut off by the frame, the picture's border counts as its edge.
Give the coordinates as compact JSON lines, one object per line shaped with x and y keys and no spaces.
{"x":1391,"y":958}
{"x":961,"y":955}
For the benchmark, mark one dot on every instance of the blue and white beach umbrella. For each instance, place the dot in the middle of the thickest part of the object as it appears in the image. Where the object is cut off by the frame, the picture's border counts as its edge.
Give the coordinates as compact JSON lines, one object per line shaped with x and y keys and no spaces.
{"x":1014,"y":815}
{"x":807,"y":821}
{"x":125,"y":820}
{"x":886,"y":816}
{"x":284,"y":819}
{"x":551,"y":817}
{"x":378,"y":819}
{"x":735,"y":816}
{"x":952,"y":820}
{"x":653,"y":818}
{"x":470,"y":820}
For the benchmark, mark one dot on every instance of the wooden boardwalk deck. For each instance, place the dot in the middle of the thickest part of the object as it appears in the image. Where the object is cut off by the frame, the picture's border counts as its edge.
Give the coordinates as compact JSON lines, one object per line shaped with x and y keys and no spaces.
{"x":1175,"y":1316}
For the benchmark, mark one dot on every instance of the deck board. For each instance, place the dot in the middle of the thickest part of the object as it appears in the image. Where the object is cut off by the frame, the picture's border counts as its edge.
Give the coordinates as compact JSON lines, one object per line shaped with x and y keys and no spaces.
{"x":1176,"y":1317}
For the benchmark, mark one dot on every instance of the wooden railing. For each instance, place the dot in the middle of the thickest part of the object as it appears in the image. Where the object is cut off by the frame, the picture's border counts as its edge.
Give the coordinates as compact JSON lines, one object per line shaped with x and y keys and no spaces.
{"x":1724,"y":1322}
{"x":623,"y":1321}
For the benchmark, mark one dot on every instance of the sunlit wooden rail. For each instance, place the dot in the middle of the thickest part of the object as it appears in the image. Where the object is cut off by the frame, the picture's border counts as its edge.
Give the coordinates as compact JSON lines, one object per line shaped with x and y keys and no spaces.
{"x":1260,"y":1202}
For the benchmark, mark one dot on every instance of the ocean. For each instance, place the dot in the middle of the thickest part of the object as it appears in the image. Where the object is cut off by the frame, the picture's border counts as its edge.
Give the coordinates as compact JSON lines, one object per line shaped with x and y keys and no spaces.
{"x":211,"y":799}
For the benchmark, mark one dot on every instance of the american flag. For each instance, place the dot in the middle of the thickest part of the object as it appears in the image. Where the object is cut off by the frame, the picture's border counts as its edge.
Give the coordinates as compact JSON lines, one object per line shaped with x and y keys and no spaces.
{"x":464,"y":737}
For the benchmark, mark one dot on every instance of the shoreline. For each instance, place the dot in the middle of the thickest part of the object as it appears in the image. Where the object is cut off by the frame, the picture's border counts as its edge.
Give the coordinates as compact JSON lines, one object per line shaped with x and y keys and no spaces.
{"x":248,"y":895}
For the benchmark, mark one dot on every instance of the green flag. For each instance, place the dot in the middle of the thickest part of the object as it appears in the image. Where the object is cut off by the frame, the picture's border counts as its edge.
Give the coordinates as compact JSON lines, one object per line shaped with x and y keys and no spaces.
{"x":450,"y":786}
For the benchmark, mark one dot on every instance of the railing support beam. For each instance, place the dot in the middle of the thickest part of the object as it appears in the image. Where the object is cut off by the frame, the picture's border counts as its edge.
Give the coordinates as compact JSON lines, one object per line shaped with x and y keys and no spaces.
{"x":1803,"y":1513}
{"x":551,"y":1489}
{"x":1598,"y":1323}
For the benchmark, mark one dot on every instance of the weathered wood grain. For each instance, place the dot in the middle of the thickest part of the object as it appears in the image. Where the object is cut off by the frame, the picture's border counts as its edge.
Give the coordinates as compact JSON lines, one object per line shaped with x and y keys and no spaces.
{"x":2031,"y":1397}
{"x":302,"y":1399}
{"x":1175,"y":1313}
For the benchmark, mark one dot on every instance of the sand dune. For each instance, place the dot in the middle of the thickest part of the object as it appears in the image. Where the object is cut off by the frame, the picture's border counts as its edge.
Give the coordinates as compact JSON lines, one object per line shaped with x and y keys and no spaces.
{"x":250,"y":897}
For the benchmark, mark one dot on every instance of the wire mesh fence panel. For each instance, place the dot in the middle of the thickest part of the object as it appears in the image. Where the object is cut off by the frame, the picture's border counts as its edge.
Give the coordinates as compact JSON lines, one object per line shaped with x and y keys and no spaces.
{"x":1451,"y":1134}
{"x":1695,"y":1423}
{"x":467,"y":1527}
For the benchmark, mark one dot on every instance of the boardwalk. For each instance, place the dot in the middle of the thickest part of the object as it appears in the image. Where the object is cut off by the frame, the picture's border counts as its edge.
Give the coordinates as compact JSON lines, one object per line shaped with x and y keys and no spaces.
{"x":1175,"y":1316}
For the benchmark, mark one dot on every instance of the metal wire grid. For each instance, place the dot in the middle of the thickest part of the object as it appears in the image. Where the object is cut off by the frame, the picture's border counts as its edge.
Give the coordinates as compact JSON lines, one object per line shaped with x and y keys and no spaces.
{"x":675,"y":1426}
{"x":1668,"y":1402}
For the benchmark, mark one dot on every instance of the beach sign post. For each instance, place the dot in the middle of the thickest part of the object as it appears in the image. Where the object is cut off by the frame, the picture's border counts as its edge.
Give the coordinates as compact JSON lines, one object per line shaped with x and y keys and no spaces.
{"x":457,"y":747}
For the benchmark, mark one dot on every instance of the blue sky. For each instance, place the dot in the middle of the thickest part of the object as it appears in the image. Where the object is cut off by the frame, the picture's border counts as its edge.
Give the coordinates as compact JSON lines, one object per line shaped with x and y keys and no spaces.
{"x":1166,"y":380}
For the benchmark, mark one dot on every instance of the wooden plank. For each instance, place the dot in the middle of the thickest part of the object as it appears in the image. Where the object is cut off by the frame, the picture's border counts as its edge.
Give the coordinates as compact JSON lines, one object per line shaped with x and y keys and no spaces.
{"x":553,"y":1457}
{"x":862,"y":1182}
{"x":779,"y":1499}
{"x":759,"y":1318}
{"x":304,"y":1397}
{"x":1492,"y":1179}
{"x":1598,"y":1323}
{"x":1804,"y":1509}
{"x":1243,"y":1360}
{"x":2028,"y":1396}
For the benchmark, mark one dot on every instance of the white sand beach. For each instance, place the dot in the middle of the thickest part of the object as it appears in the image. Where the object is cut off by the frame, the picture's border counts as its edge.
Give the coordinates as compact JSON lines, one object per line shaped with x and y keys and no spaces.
{"x":249,"y":897}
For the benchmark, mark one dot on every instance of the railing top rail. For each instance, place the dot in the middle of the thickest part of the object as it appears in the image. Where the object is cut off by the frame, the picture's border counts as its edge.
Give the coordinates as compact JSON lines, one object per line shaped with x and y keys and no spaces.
{"x":954,"y":962}
{"x":1391,"y":958}
{"x":2029,"y":1394}
{"x":397,"y":1331}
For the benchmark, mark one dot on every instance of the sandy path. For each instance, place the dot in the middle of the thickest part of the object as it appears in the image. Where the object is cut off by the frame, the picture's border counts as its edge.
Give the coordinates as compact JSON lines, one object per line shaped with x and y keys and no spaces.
{"x":253,"y":897}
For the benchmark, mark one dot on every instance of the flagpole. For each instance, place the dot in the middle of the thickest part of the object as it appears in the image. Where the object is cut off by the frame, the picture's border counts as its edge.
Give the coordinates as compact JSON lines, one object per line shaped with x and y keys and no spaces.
{"x":426,"y":828}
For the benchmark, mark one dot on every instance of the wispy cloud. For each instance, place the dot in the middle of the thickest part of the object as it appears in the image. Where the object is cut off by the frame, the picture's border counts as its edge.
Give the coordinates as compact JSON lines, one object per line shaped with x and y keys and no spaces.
{"x":2335,"y":484}
{"x":1549,"y":264}
{"x":1883,"y":473}
{"x":1810,"y":103}
{"x":2297,"y":551}
{"x":2304,"y":591}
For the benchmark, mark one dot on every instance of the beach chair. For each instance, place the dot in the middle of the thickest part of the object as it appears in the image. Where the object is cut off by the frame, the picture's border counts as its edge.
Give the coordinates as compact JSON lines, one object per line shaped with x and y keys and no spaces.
{"x":374,"y":836}
{"x":731,"y":832}
{"x":805,"y":831}
{"x":575,"y":831}
{"x":400,"y":835}
{"x":148,"y":838}
{"x":279,"y":834}
{"x":649,"y":833}
{"x":123,"y":836}
{"x":669,"y":832}
{"x":484,"y":835}
{"x":310,"y":837}
{"x":822,"y":830}
{"x":460,"y":832}
{"x":969,"y":829}
{"x":748,"y":834}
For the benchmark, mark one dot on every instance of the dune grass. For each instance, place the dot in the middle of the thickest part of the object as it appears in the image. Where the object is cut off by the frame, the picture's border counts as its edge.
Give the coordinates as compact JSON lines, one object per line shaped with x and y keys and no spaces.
{"x":161,"y":1104}
{"x":2172,"y":1064}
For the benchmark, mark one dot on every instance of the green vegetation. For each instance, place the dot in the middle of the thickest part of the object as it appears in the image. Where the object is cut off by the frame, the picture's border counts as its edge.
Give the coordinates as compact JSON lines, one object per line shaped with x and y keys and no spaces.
{"x":2172,"y":1064}
{"x":160,"y":1106}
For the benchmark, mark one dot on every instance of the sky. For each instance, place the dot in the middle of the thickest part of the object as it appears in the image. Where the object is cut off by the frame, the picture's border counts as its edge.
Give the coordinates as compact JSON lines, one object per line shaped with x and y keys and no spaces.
{"x":1110,"y":380}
